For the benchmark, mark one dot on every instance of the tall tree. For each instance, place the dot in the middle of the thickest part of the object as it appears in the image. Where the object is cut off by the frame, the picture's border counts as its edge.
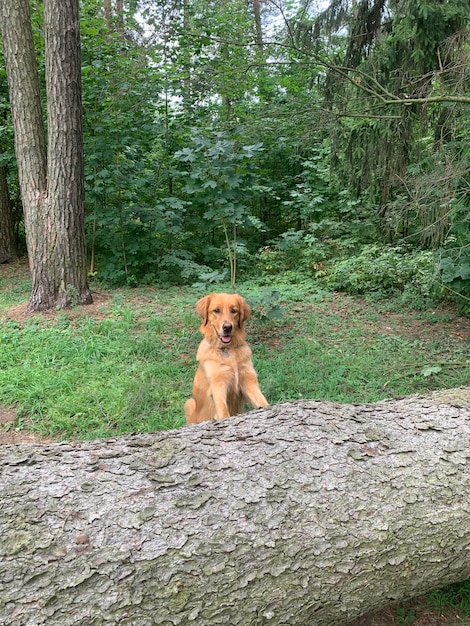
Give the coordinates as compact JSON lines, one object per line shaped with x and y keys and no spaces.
{"x":399,"y":80}
{"x":8,"y":250}
{"x":51,"y":177}
{"x":257,"y":16}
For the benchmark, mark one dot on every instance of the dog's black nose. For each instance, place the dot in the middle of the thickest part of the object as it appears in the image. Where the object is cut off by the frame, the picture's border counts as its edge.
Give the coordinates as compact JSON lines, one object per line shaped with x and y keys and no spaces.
{"x":227,"y":328}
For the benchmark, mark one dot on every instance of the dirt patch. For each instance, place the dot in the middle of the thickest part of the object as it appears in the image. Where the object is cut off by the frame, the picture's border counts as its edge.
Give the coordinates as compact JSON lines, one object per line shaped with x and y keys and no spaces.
{"x":10,"y":435}
{"x":98,"y":309}
{"x":440,"y":321}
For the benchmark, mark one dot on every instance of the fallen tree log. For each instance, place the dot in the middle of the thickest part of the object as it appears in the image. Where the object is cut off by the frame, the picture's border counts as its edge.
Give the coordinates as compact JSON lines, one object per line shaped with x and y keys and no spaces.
{"x":306,"y":513}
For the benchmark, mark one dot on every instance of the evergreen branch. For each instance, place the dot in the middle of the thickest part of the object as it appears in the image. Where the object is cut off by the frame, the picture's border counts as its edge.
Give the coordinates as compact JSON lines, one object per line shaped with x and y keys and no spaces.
{"x":429,"y":100}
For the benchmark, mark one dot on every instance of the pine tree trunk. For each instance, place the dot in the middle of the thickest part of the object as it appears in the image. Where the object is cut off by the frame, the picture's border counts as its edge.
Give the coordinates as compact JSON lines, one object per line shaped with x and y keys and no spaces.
{"x":25,"y":100}
{"x":258,"y":26}
{"x":52,"y":185}
{"x":305,"y":513}
{"x":8,"y":251}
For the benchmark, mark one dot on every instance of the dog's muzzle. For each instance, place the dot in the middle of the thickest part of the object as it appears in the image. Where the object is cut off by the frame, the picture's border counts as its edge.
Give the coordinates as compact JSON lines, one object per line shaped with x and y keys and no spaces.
{"x":226,"y":335}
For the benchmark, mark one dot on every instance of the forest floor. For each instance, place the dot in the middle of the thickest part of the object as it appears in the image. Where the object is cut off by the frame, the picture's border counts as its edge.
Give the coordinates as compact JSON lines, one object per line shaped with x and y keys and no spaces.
{"x":418,"y":612}
{"x":414,"y":613}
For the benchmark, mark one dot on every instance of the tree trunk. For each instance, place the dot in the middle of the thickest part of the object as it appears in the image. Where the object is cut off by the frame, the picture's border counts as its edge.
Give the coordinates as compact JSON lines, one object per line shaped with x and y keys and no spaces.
{"x":25,"y":100}
{"x":108,"y":13}
{"x":8,"y":250}
{"x":258,"y":26}
{"x":307,"y":513}
{"x":51,"y":184}
{"x":67,"y":271}
{"x":120,"y":16}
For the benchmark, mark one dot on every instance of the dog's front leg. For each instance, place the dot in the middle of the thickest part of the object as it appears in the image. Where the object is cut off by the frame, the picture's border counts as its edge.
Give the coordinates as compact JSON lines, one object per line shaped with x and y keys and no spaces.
{"x":219,"y":399}
{"x":251,"y":390}
{"x":220,"y":380}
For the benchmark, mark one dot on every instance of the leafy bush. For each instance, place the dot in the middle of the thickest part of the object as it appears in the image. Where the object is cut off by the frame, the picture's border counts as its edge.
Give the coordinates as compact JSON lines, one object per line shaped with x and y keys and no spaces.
{"x":384,"y":270}
{"x":454,"y":264}
{"x":325,"y":209}
{"x":293,"y":251}
{"x":265,"y":306}
{"x":218,"y":176}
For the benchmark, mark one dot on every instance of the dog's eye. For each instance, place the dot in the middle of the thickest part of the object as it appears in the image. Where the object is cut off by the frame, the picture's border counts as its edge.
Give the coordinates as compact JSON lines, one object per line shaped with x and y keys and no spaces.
{"x":234,"y":311}
{"x":216,"y":311}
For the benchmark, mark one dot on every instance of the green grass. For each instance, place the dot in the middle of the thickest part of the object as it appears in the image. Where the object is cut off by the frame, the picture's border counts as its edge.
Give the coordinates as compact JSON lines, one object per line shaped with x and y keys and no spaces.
{"x":456,"y":596}
{"x":88,"y":377}
{"x":129,"y":366}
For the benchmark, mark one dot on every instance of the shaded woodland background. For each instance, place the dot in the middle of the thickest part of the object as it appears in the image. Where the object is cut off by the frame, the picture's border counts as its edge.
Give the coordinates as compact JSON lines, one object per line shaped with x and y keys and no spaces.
{"x":257,"y":138}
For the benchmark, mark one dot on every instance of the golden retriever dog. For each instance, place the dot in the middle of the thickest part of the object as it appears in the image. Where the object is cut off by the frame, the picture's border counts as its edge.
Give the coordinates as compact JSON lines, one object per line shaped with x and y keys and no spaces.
{"x":226,"y":379}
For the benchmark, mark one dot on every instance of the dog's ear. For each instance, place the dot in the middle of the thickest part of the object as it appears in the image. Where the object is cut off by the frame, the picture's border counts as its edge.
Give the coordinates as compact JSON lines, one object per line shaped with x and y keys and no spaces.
{"x":202,"y":308}
{"x":245,"y":310}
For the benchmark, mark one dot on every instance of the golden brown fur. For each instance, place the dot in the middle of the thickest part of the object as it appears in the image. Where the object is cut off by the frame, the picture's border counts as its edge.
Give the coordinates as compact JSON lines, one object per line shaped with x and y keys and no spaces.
{"x":226,"y":379}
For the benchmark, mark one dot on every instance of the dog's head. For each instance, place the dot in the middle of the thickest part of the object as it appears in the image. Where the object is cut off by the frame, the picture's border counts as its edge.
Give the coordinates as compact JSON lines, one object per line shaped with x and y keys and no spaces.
{"x":223,"y":315}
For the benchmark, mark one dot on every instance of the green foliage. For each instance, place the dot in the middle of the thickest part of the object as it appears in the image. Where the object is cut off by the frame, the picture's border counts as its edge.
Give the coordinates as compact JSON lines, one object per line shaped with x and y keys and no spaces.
{"x":313,"y":197}
{"x":419,"y":29}
{"x":456,"y":596}
{"x":454,"y":267}
{"x":205,"y":52}
{"x":454,"y":259}
{"x":266,"y":305}
{"x":338,"y":168}
{"x":333,"y":231}
{"x":408,"y":158}
{"x":295,"y":252}
{"x":333,"y":223}
{"x":124,"y":222}
{"x":385,"y":270}
{"x":405,"y":616}
{"x":326,"y":208}
{"x":219,"y":175}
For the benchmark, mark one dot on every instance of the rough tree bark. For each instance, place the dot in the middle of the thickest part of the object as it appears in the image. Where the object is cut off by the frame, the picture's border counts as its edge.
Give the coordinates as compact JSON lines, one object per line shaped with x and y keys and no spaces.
{"x":8,"y":251}
{"x":51,"y":179}
{"x":304,"y":514}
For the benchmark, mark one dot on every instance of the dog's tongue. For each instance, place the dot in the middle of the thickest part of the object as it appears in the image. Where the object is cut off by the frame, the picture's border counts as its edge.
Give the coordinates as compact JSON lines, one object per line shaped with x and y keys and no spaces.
{"x":226,"y":338}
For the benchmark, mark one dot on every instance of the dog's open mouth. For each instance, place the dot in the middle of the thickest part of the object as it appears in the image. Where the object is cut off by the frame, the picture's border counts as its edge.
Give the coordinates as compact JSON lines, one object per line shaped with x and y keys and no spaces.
{"x":225,"y":338}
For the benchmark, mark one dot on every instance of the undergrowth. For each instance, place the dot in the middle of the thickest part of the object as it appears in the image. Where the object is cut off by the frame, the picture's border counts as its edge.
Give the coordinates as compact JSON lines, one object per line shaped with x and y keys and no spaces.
{"x":456,"y":596}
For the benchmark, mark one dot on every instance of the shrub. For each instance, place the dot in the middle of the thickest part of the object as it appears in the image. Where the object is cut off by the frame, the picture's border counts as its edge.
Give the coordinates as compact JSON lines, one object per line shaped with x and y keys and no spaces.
{"x":454,"y":268}
{"x":384,"y":270}
{"x":292,"y":251}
